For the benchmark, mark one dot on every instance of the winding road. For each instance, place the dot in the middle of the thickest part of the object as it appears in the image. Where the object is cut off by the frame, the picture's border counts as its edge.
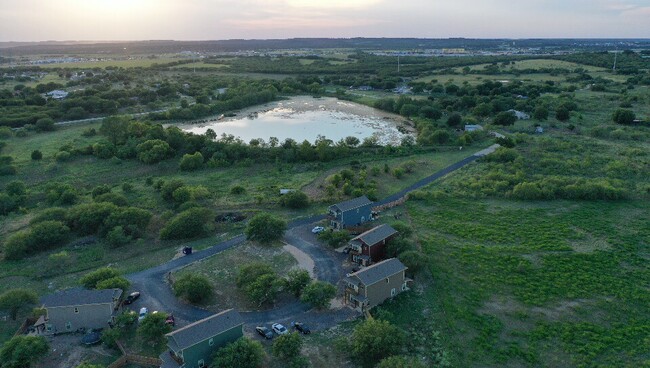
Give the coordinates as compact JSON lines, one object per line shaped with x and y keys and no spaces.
{"x":328,"y":266}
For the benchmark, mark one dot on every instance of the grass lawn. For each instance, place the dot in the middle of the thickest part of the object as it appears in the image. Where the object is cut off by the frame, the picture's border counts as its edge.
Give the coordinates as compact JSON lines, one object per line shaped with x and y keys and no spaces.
{"x":133,"y":63}
{"x":222,"y":270}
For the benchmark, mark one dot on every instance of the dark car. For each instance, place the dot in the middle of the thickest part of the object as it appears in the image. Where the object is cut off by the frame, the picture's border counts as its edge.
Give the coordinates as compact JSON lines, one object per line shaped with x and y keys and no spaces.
{"x":132,"y":297}
{"x":264,"y":332}
{"x":302,"y":328}
{"x":170,"y":320}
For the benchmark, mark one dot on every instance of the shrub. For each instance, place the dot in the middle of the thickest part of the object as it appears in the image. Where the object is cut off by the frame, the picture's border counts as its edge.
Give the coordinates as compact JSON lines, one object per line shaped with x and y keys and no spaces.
{"x":37,"y":155}
{"x":15,"y":300}
{"x":623,"y":116}
{"x":87,"y":218}
{"x":540,"y":113}
{"x":373,"y":340}
{"x":265,"y":228}
{"x":22,"y":351}
{"x":16,"y":188}
{"x":241,"y":353}
{"x":154,"y":151}
{"x":117,"y":282}
{"x":117,"y":238}
{"x":49,"y":214}
{"x":188,"y":224}
{"x":295,"y":199}
{"x":114,"y":198}
{"x":62,"y":156}
{"x":296,"y":281}
{"x":237,"y":190}
{"x":58,"y":193}
{"x":167,"y":188}
{"x":503,"y":154}
{"x":400,"y":362}
{"x":90,"y":280}
{"x":454,"y":120}
{"x":413,"y":259}
{"x":191,"y":162}
{"x":103,"y":150}
{"x":45,"y":125}
{"x":505,"y":118}
{"x":195,"y":289}
{"x":153,"y":327}
{"x":335,"y":239}
{"x":318,"y":294}
{"x":562,"y":114}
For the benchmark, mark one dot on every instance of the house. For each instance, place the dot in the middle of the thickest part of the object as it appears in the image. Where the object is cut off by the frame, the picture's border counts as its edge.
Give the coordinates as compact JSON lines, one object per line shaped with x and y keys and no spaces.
{"x":350,"y":213}
{"x":193,"y":345}
{"x":372,"y":285}
{"x":73,"y":309}
{"x":520,"y":114}
{"x":473,"y":128}
{"x":369,"y":247}
{"x":57,"y":94}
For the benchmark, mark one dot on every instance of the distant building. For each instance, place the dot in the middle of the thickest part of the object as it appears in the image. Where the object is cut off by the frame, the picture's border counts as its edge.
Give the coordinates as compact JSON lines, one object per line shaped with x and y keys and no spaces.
{"x":539,"y":130}
{"x":70,"y":310}
{"x":473,"y":128}
{"x":520,"y":114}
{"x":350,"y":213}
{"x":369,"y":247}
{"x":194,"y":345}
{"x":372,"y":285}
{"x":57,"y":94}
{"x":365,"y":88}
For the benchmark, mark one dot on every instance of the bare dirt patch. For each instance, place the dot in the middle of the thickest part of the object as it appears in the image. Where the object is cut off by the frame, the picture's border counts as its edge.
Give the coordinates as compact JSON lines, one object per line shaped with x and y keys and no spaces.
{"x":67,"y":351}
{"x":304,"y":261}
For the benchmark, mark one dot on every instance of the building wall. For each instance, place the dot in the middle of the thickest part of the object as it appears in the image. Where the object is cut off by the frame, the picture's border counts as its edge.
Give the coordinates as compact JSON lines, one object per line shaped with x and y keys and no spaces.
{"x":355,"y":216}
{"x":203,"y":350}
{"x":64,"y":319}
{"x":380,"y":291}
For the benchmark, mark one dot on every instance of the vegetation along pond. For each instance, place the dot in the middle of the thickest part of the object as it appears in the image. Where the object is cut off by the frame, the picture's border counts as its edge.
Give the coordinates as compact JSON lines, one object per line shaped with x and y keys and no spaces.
{"x":305,"y":118}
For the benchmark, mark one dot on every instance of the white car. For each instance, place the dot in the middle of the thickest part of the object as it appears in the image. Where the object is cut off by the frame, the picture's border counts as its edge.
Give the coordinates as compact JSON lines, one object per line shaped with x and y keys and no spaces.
{"x":143,"y":313}
{"x":279,"y":329}
{"x":318,"y":230}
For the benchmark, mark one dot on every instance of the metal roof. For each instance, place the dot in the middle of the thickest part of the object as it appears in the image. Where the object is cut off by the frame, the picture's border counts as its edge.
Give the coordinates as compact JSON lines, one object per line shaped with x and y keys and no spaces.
{"x":204,"y":329}
{"x":77,"y":296}
{"x":353,"y":203}
{"x":376,"y":234}
{"x":379,"y":271}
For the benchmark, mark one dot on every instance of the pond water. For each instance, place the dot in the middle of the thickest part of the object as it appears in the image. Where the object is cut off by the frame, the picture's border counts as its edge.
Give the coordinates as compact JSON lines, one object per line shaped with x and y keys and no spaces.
{"x":305,"y":118}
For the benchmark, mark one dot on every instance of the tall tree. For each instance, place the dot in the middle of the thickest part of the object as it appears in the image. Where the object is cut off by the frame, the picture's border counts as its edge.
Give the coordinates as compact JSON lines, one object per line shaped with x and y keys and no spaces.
{"x":16,"y":299}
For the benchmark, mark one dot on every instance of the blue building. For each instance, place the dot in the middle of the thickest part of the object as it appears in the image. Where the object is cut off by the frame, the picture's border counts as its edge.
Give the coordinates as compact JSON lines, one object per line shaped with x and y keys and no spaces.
{"x":350,"y":213}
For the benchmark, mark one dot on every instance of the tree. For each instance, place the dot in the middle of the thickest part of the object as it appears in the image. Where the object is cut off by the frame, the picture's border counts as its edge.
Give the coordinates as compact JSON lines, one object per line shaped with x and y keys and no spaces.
{"x":562,"y":114}
{"x":264,"y":289}
{"x":430,"y":113}
{"x":45,"y":125}
{"x":115,"y":128}
{"x":454,"y":120}
{"x":540,"y":113}
{"x":91,"y":279}
{"x":318,"y":294}
{"x":295,"y":199}
{"x":22,"y":351}
{"x":88,"y":365}
{"x":296,"y":281}
{"x":188,"y":224}
{"x":265,"y":228}
{"x":287,"y":346}
{"x":118,"y":282}
{"x":15,"y":300}
{"x":505,"y":118}
{"x":373,"y":340}
{"x":153,"y":151}
{"x":191,"y":162}
{"x":398,"y":361}
{"x":241,"y":353}
{"x":153,"y":327}
{"x":623,"y":116}
{"x":413,"y":259}
{"x":195,"y":289}
{"x":37,"y":155}
{"x":16,"y":188}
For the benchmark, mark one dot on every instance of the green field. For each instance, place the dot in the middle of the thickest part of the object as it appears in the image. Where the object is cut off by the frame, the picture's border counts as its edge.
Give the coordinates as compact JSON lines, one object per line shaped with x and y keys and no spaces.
{"x":132,"y":63}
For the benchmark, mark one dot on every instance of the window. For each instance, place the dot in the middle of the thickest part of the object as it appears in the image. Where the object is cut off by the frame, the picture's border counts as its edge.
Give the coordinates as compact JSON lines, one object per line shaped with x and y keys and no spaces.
{"x":48,"y":327}
{"x":403,"y":286}
{"x":201,"y":363}
{"x":76,"y":310}
{"x":68,"y":326}
{"x":387,"y":280}
{"x":393,"y":292}
{"x":211,"y":342}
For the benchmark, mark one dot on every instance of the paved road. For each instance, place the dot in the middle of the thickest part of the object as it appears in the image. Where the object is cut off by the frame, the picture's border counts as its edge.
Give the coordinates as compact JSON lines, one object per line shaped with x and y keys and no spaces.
{"x":157,"y":294}
{"x":92,"y":120}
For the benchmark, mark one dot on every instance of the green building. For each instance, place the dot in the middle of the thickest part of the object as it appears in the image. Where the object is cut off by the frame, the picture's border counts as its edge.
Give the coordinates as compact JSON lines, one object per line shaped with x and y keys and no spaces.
{"x":193,"y":345}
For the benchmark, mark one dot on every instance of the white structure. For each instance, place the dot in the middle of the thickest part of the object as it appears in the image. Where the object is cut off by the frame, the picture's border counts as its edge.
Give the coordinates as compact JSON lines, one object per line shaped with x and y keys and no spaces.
{"x":520,"y":114}
{"x":473,"y":128}
{"x":57,"y":94}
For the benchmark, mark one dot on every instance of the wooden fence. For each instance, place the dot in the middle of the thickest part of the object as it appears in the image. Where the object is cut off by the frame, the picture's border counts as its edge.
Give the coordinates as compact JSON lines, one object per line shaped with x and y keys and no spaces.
{"x":127,"y":358}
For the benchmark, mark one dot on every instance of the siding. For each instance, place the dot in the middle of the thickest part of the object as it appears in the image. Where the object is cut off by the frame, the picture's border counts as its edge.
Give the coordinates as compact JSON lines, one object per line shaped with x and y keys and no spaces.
{"x":203,"y":350}
{"x":89,"y":316}
{"x":378,"y":292}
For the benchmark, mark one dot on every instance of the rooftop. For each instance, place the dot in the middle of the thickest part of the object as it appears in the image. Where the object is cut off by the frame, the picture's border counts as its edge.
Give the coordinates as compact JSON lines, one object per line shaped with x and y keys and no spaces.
{"x":353,"y":203}
{"x":204,"y":329}
{"x":376,"y":234}
{"x":379,"y":271}
{"x":74,"y":297}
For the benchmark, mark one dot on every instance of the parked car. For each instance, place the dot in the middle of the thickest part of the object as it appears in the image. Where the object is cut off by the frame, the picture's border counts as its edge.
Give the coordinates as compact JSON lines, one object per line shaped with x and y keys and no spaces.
{"x":264,"y":332}
{"x":318,"y":230}
{"x":303,"y":328}
{"x":170,"y":320}
{"x":132,"y":297}
{"x":279,"y":329}
{"x":143,"y":313}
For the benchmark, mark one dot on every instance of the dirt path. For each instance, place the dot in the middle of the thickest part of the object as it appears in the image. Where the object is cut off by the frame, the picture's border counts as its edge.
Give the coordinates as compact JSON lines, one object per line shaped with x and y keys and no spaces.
{"x":304,"y":260}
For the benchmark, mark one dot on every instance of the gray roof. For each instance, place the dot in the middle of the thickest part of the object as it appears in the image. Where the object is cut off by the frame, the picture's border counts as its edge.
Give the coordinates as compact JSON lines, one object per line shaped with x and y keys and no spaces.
{"x":204,"y":329}
{"x":379,"y":271}
{"x":376,"y":234}
{"x":74,"y":297}
{"x":353,"y":203}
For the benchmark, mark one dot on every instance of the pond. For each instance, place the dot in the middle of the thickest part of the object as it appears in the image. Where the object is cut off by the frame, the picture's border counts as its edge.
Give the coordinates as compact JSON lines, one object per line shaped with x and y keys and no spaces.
{"x":305,"y":118}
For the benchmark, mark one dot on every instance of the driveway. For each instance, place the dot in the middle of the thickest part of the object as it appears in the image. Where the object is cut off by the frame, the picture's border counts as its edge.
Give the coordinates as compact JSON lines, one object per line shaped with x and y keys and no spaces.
{"x":328,"y":266}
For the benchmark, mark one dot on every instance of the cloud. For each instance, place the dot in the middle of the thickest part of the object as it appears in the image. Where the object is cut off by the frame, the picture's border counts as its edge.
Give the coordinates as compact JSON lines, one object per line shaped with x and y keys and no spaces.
{"x":332,"y":4}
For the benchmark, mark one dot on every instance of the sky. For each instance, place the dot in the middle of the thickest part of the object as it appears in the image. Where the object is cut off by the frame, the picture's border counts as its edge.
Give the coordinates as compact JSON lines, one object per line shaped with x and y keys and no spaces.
{"x":40,"y":20}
